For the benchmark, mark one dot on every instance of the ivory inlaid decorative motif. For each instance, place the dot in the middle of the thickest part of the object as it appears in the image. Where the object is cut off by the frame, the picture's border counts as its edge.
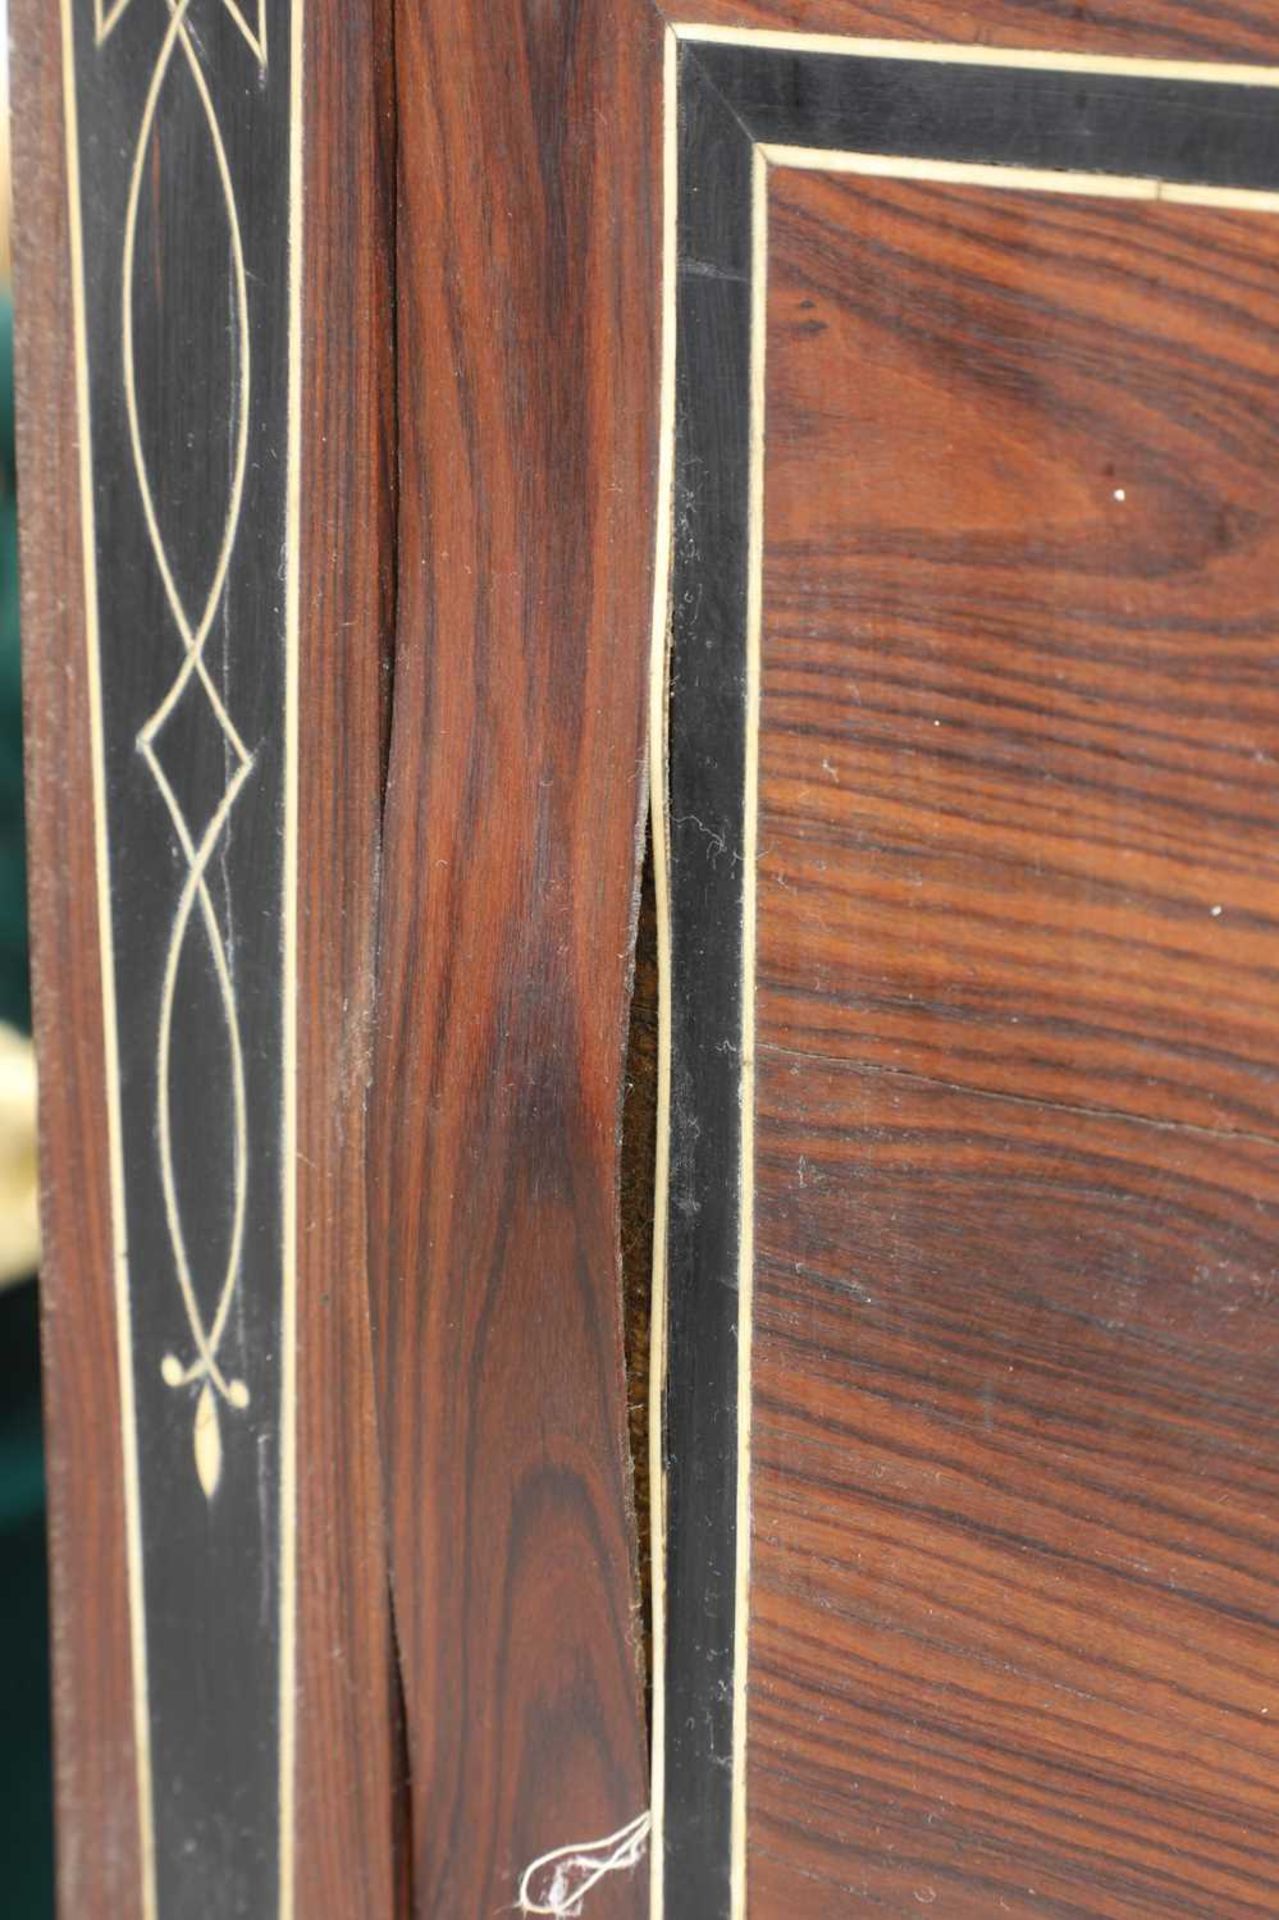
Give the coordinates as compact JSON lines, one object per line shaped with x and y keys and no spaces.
{"x":193,"y":625}
{"x":106,"y":16}
{"x":183,"y":164}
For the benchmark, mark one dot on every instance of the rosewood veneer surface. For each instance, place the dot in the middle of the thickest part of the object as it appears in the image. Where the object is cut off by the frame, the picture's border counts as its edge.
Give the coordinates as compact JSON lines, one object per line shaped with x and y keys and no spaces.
{"x":1016,"y":1510}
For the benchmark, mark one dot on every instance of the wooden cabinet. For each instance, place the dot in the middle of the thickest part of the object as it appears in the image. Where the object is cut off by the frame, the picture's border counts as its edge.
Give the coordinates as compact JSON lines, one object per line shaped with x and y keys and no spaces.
{"x":448,"y":432}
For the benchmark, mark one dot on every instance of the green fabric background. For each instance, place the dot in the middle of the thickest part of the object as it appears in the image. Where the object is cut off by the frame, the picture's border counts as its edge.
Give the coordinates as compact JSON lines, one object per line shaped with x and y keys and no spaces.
{"x":26,"y":1794}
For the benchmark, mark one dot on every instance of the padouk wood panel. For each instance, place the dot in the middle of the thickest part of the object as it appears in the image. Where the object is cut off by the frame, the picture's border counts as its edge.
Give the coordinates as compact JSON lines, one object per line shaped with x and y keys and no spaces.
{"x":528,"y":269}
{"x":1016,"y":1387}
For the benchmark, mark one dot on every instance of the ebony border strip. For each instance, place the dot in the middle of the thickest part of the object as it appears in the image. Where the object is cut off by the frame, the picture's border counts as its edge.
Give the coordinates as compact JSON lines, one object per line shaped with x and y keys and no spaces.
{"x":736,"y":102}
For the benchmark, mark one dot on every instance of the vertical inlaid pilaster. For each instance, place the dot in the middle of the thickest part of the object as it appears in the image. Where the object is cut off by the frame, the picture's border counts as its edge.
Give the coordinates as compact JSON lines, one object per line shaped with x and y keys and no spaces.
{"x":183,"y":178}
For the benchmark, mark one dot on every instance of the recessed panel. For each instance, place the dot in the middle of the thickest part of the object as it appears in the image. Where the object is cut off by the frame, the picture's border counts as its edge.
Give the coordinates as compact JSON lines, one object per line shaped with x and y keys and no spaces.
{"x":1016,"y":1353}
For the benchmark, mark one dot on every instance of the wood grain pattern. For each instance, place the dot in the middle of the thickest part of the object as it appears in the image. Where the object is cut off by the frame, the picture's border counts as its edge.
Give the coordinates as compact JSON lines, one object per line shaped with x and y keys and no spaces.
{"x":1063,"y":702}
{"x":96,"y":1778}
{"x":1128,"y":29}
{"x":349,"y":1785}
{"x":1013,"y":1631}
{"x":1015,"y":1515}
{"x":526,"y":307}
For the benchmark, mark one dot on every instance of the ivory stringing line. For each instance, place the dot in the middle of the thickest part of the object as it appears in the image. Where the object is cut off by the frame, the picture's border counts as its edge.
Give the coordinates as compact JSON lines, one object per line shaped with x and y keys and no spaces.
{"x":768,"y":155}
{"x":964,"y":173}
{"x":942,"y":54}
{"x":106,"y":966}
{"x":750,"y":861}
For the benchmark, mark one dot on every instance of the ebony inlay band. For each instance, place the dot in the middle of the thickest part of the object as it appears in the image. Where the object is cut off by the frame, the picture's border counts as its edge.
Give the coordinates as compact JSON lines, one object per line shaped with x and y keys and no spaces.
{"x":183,"y":160}
{"x":738,"y":104}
